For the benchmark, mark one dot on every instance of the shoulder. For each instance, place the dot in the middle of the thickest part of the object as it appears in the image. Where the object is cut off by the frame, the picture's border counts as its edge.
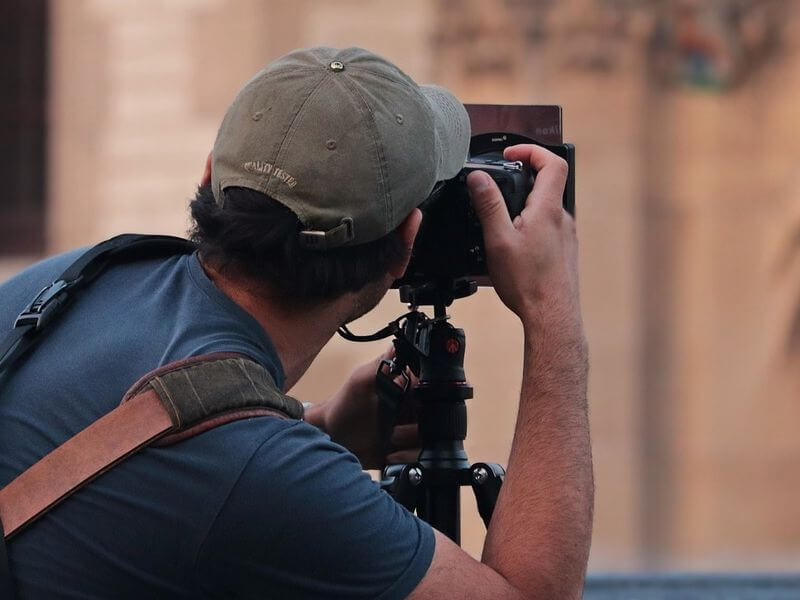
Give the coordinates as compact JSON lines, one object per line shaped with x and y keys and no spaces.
{"x":19,"y":290}
{"x":304,"y":519}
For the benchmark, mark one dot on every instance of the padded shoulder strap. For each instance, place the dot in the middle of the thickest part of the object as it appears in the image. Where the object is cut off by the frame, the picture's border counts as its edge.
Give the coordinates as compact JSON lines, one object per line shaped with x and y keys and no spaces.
{"x":206,"y":391}
{"x":167,"y":405}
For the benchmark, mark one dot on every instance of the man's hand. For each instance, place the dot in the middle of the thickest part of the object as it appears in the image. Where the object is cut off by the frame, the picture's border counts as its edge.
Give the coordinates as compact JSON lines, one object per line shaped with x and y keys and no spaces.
{"x":352,"y":418}
{"x":537,"y":544}
{"x":533,"y":261}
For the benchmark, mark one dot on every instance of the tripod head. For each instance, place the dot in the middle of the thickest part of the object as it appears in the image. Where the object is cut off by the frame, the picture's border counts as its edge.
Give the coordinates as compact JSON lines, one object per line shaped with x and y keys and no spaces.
{"x":433,"y":349}
{"x":439,"y":294}
{"x":430,"y":347}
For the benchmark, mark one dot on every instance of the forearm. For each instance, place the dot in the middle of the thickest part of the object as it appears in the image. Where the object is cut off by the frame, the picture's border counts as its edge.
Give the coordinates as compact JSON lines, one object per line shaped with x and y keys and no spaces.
{"x":541,"y":529}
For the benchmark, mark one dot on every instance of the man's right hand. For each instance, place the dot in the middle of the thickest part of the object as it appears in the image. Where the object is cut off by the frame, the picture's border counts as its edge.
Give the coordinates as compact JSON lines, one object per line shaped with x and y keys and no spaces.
{"x":537,"y":545}
{"x":533,"y":261}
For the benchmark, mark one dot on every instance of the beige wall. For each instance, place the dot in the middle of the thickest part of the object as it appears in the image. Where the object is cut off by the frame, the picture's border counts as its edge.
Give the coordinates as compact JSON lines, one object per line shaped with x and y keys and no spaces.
{"x":683,"y":199}
{"x":735,"y":453}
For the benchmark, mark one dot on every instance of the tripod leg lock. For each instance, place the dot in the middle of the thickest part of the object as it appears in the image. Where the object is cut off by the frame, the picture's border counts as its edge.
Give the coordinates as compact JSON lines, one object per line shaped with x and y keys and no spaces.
{"x":403,"y":483}
{"x":486,"y":480}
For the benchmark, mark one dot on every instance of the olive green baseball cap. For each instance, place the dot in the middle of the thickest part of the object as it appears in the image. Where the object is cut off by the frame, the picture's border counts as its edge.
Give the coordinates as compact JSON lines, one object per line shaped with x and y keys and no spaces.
{"x":344,"y":139}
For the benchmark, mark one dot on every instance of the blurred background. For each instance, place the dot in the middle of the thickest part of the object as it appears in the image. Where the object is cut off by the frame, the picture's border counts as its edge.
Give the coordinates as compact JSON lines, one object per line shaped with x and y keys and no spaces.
{"x":686,"y":118}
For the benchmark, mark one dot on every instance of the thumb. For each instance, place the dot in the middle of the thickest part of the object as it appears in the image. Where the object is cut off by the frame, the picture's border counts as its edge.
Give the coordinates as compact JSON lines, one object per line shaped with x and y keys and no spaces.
{"x":487,"y":200}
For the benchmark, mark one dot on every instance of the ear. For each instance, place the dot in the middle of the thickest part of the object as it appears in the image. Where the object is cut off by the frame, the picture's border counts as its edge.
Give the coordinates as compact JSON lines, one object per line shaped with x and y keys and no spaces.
{"x":408,"y":230}
{"x":206,"y":178}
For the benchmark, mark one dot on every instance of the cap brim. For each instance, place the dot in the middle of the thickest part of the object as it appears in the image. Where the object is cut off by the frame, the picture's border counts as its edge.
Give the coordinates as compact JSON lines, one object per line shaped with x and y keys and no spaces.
{"x":452,"y":130}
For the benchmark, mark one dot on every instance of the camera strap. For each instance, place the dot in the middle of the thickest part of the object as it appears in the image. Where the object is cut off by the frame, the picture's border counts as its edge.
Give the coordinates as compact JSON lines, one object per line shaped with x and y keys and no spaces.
{"x":167,"y":405}
{"x":50,"y":302}
{"x":172,"y":403}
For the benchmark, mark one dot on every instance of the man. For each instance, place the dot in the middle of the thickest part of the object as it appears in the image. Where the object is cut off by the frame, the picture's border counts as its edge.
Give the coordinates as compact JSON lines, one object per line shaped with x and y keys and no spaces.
{"x":305,"y":215}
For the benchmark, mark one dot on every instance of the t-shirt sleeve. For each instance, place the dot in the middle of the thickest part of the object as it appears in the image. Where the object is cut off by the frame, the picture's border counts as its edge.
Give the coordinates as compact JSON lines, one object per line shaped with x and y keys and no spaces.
{"x":304,"y":521}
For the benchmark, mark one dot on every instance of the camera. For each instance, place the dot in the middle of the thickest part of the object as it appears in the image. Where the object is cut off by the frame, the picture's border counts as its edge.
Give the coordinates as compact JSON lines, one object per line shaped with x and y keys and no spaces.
{"x":449,"y":246}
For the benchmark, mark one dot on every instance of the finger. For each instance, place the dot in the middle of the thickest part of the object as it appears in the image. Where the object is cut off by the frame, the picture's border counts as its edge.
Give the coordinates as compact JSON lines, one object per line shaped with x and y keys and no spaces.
{"x":403,"y":456}
{"x":531,"y":154}
{"x":387,"y":354}
{"x":551,"y":173}
{"x":490,"y":207}
{"x":405,"y":436}
{"x":408,"y":412}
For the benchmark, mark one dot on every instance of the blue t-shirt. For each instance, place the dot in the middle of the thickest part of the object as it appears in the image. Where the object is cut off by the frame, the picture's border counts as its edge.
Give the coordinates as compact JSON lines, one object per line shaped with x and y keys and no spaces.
{"x":259,"y":508}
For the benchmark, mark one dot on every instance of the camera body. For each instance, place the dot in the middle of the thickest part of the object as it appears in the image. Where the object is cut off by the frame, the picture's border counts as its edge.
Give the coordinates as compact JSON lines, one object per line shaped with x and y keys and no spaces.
{"x":450,"y":246}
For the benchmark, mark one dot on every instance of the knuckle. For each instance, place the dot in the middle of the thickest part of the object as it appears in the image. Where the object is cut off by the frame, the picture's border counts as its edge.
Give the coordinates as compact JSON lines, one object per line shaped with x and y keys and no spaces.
{"x":555,"y":213}
{"x":570,"y":225}
{"x":498,"y":245}
{"x":561,"y":166}
{"x":489,"y":204}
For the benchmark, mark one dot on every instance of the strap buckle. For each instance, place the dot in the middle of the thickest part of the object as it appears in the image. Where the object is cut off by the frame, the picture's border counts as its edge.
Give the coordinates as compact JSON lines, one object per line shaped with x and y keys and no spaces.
{"x":45,"y":305}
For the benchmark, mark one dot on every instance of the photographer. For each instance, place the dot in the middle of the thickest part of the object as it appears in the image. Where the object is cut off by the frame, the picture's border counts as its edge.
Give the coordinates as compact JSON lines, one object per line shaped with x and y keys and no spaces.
{"x":305,"y":215}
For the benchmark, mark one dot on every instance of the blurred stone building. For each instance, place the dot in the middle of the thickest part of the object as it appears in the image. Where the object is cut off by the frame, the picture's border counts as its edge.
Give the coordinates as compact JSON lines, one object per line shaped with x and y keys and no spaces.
{"x":686,"y":117}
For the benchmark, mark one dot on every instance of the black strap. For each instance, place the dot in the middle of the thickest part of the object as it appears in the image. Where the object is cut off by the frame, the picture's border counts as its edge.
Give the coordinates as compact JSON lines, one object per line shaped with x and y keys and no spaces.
{"x":52,"y":299}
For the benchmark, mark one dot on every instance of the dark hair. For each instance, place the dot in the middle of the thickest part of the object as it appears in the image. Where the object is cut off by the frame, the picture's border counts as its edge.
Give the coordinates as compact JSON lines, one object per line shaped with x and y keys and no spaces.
{"x":256,"y":236}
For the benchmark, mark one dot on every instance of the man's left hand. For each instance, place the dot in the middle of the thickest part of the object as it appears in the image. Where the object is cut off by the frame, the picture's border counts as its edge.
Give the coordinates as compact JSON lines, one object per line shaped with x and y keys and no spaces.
{"x":352,"y":418}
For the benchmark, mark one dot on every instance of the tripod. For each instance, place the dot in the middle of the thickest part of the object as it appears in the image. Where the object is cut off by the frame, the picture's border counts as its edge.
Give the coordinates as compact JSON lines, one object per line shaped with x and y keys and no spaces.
{"x":434,"y":351}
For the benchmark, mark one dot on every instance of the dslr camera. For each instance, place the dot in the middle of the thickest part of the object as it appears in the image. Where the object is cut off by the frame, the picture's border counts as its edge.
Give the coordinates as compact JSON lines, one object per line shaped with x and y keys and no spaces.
{"x":449,"y":251}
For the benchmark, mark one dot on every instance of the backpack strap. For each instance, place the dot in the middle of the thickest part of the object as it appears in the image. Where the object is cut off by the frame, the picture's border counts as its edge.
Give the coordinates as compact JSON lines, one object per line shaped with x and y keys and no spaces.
{"x":51,"y":301}
{"x":54,"y":298}
{"x":168,"y":405}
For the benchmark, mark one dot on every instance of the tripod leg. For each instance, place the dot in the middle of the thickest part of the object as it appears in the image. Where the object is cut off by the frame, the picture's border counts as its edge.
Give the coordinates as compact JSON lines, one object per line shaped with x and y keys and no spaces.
{"x":486,"y":480}
{"x":441,"y":507}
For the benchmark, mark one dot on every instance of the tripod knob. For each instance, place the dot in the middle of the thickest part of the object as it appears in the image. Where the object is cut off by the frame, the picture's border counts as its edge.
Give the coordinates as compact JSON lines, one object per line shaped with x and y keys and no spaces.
{"x":480,"y":475}
{"x":414,"y":476}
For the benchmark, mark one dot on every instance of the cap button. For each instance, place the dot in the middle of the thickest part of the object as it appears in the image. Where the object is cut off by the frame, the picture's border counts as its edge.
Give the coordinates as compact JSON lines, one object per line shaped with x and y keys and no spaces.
{"x":336,"y":66}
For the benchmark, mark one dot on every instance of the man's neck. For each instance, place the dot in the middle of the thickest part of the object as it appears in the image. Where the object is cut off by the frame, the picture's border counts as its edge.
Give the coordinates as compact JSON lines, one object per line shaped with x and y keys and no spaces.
{"x":298,"y":334}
